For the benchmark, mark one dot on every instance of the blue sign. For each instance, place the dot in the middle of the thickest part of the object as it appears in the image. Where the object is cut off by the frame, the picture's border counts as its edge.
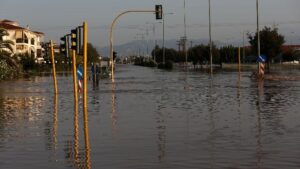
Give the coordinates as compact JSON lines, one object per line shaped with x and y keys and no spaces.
{"x":79,"y":73}
{"x":262,"y":58}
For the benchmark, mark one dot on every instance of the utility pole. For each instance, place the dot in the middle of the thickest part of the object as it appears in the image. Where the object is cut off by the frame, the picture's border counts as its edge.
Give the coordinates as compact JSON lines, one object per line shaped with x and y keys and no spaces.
{"x":258,"y":34}
{"x":185,"y":37}
{"x":163,"y":43}
{"x":210,"y":41}
{"x":244,"y":53}
{"x":178,"y":44}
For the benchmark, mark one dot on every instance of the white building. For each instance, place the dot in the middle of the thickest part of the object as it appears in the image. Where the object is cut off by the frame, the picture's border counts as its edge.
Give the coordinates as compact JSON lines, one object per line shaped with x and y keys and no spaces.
{"x":25,"y":40}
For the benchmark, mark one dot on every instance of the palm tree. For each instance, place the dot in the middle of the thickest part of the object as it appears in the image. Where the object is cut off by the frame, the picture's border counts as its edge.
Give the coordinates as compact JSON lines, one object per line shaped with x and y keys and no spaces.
{"x":5,"y":44}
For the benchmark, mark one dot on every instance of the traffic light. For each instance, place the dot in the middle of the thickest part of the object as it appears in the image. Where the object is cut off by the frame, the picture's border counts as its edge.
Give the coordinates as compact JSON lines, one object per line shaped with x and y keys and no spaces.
{"x":63,"y":46}
{"x":74,"y":39}
{"x":114,"y":55}
{"x":158,"y":12}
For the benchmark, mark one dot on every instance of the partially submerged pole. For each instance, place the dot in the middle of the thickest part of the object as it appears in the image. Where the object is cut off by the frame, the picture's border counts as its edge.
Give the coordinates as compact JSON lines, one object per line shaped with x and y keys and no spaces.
{"x":53,"y":68}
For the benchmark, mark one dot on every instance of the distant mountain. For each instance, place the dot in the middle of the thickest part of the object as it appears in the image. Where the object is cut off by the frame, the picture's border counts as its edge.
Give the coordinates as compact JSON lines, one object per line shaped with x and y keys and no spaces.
{"x":142,"y":46}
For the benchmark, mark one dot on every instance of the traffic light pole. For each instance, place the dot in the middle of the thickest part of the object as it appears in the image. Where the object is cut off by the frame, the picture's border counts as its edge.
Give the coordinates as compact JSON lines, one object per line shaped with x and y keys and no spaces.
{"x":75,"y":79}
{"x":85,"y":112}
{"x":112,"y":36}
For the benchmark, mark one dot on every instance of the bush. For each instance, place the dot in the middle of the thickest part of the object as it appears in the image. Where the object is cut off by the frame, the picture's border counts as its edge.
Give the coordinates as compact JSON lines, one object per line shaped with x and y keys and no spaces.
{"x":168,"y":65}
{"x":9,"y":67}
{"x":28,"y":62}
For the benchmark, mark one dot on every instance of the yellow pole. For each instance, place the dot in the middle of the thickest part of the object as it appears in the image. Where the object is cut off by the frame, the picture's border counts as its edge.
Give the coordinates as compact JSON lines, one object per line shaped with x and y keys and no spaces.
{"x":75,"y":79}
{"x":84,"y":66}
{"x":239,"y":59}
{"x":53,"y":68}
{"x":85,"y":112}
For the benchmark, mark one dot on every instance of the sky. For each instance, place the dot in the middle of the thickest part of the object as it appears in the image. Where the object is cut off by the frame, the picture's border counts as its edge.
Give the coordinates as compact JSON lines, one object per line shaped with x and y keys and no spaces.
{"x":230,"y":18}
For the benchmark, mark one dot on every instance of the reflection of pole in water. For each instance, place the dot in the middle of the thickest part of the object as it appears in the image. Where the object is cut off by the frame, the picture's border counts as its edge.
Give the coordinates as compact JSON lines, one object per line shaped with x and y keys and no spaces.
{"x":212,"y":124}
{"x":76,"y":136}
{"x":161,"y":137}
{"x":161,"y":127}
{"x":54,"y":130}
{"x":114,"y":116}
{"x":239,"y":108}
{"x":259,"y":126}
{"x":87,"y":142}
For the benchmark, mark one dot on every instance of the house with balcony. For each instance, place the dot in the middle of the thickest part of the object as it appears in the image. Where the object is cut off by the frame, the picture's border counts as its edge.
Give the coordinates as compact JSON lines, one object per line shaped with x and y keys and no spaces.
{"x":25,"y":40}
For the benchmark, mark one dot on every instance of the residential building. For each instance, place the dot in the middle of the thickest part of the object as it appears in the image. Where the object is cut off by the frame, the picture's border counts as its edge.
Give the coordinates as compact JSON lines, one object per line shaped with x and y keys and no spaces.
{"x":25,"y":40}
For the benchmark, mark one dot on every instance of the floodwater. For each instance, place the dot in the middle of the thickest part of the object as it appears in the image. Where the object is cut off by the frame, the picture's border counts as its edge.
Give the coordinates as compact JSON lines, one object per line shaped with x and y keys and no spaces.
{"x":152,"y":119}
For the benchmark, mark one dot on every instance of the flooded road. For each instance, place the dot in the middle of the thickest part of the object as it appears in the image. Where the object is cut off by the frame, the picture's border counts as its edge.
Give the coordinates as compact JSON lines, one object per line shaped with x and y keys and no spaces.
{"x":150,"y":119}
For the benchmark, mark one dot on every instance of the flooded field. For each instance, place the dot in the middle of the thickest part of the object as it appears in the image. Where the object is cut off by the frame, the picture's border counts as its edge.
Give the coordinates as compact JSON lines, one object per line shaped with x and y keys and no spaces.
{"x":152,"y":119}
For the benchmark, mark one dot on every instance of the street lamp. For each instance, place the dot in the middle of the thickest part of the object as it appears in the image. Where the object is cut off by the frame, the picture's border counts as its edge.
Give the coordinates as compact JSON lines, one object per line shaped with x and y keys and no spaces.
{"x":185,"y":37}
{"x":210,"y":41}
{"x":258,"y":34}
{"x":163,"y":45}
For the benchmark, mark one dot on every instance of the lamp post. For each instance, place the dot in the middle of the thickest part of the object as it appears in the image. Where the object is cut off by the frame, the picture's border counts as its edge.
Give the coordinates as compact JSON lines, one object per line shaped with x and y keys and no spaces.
{"x":185,"y":37}
{"x":163,"y":45}
{"x":210,"y":41}
{"x":244,"y":53}
{"x":258,"y":34}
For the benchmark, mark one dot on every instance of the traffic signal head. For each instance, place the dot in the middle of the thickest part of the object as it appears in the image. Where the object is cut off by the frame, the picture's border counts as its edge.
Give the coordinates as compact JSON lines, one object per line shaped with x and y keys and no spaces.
{"x":74,"y":39}
{"x":114,"y":55}
{"x":62,"y":48}
{"x":158,"y":12}
{"x":63,"y":45}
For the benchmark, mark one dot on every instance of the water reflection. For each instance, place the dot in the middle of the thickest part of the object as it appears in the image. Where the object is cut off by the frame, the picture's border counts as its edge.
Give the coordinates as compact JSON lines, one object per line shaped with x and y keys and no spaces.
{"x":161,"y":132}
{"x":168,"y":120}
{"x":113,"y":116}
{"x":86,"y":140}
{"x":259,"y":148}
{"x":76,"y":136}
{"x":55,"y":125}
{"x":212,"y":128}
{"x":79,"y":158}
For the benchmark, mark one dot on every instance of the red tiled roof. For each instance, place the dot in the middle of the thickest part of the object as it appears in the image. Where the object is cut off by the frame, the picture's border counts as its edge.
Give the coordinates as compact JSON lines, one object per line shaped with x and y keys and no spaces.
{"x":10,"y":27}
{"x":6,"y":20}
{"x":39,"y":32}
{"x":13,"y":27}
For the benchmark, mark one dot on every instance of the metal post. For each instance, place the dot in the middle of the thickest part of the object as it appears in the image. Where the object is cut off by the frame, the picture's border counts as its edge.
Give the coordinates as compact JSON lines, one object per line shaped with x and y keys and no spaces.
{"x":85,"y":112}
{"x":53,"y":68}
{"x":163,"y":43}
{"x":185,"y":37}
{"x":75,"y":79}
{"x":210,"y":41}
{"x":85,"y":68}
{"x":244,"y":53}
{"x":258,"y":34}
{"x":239,"y":59}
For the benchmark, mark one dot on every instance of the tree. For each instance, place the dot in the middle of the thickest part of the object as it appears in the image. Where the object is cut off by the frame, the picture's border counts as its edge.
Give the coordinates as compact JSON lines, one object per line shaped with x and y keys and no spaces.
{"x":228,"y":54}
{"x":93,"y":55}
{"x":200,"y":54}
{"x":270,"y":43}
{"x":5,"y":44}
